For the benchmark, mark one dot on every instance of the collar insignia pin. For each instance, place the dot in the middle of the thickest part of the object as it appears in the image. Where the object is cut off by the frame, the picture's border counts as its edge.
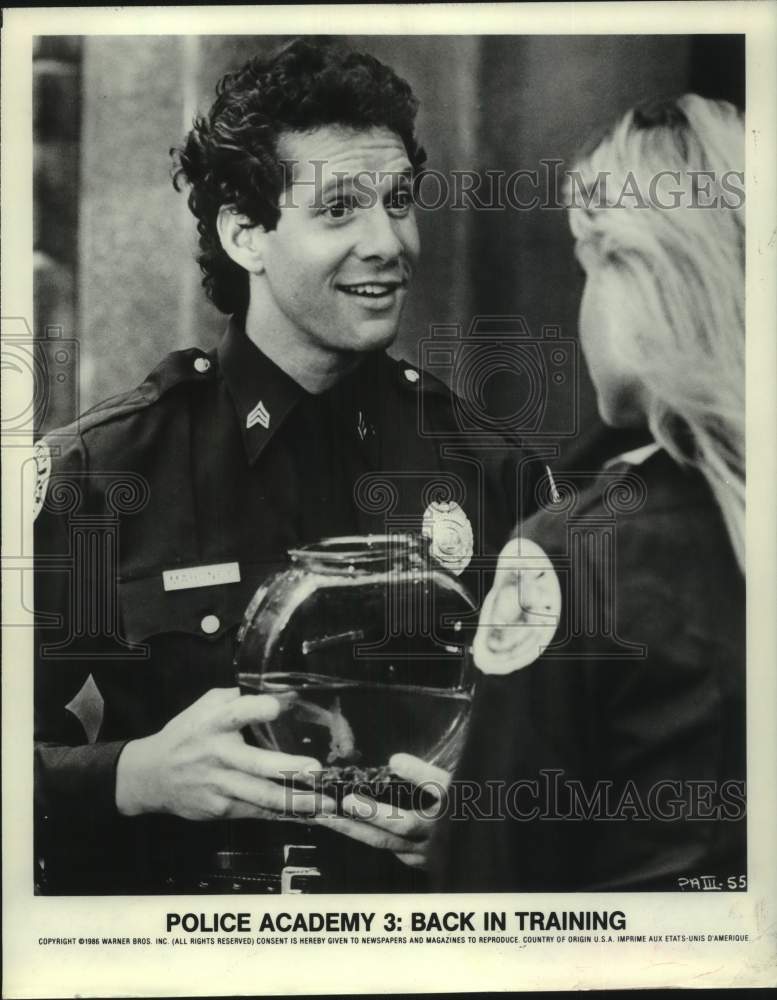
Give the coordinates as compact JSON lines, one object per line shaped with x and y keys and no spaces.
{"x":361,"y":426}
{"x":555,"y":496}
{"x":258,"y":415}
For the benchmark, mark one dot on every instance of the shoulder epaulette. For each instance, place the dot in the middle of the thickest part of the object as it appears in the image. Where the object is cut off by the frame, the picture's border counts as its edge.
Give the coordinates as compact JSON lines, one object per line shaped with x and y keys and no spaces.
{"x":418,"y":380}
{"x":190,"y":365}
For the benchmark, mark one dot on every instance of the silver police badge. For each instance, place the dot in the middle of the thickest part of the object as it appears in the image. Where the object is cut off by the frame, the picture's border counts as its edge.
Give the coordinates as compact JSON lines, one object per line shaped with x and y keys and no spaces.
{"x":448,"y":528}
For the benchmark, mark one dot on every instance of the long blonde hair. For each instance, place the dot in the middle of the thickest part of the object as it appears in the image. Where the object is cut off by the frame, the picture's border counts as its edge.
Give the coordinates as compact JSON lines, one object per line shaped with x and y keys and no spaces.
{"x":683,"y":255}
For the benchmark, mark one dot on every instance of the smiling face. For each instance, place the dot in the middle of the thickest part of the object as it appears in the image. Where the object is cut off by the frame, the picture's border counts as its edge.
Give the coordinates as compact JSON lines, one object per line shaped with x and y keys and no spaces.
{"x":335,"y":270}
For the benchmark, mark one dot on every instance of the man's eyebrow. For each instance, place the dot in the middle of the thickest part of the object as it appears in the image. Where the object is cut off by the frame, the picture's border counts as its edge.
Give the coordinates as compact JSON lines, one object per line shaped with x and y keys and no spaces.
{"x":337,"y":182}
{"x":404,"y":174}
{"x":392,"y":181}
{"x":343,"y":181}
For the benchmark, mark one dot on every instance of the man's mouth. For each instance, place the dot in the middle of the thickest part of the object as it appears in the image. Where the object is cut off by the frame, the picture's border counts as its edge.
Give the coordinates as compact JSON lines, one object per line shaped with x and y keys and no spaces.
{"x":371,"y":289}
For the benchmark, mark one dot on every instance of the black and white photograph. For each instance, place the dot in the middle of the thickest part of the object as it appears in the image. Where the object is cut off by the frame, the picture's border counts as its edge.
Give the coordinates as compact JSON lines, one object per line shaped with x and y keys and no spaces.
{"x":382,"y":471}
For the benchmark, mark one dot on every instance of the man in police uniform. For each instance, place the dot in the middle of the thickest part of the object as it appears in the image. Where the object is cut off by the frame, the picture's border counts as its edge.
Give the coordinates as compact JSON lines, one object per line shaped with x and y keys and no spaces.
{"x":203,"y":477}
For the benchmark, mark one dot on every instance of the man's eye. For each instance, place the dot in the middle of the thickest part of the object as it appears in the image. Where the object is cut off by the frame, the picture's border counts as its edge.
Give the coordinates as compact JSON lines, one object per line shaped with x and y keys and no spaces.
{"x":400,"y":202}
{"x":338,"y":210}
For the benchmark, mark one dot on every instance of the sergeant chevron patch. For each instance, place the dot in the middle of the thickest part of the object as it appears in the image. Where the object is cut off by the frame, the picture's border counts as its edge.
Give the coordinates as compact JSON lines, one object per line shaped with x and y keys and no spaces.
{"x":258,"y":415}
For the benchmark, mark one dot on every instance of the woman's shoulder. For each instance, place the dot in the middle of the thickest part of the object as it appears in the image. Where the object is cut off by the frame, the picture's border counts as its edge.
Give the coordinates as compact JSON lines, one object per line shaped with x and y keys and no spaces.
{"x":635,"y":499}
{"x":653,"y":533}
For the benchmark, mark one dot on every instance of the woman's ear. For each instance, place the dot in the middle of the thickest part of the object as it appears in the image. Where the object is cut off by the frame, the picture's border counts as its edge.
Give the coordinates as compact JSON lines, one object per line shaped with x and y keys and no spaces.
{"x":241,"y":239}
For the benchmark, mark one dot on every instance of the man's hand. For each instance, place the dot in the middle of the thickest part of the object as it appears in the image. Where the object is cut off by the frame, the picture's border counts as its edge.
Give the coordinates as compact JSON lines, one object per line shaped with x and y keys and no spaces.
{"x":405,"y":832}
{"x":199,"y":766}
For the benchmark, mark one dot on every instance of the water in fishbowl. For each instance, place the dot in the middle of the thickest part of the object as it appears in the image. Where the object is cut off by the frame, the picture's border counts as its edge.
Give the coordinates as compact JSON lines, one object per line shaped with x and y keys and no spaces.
{"x":352,"y":728}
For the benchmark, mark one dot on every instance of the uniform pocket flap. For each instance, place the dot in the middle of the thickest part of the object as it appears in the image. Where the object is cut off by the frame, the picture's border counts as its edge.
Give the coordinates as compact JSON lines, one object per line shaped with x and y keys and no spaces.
{"x":147,"y":609}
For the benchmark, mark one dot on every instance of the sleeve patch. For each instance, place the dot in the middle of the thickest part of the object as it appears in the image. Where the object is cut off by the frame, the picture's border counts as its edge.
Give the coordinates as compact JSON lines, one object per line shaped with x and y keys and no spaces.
{"x":521,"y":612}
{"x":42,"y":456}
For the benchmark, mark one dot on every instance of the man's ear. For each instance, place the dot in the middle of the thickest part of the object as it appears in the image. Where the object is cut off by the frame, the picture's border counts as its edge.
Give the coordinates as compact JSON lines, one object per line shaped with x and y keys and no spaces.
{"x":241,"y":239}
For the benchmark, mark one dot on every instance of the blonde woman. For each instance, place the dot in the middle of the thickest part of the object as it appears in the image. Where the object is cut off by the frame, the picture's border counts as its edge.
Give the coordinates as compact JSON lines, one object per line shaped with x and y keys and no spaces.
{"x":607,"y":742}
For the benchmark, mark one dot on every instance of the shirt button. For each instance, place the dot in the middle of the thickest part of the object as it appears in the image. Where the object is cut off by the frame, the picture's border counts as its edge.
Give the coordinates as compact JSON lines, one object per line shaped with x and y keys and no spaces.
{"x":201,"y":365}
{"x":411,"y":375}
{"x":210,"y":624}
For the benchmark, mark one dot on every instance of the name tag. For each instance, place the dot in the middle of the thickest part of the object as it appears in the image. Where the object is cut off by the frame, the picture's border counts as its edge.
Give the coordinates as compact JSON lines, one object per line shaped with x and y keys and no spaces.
{"x":201,"y":576}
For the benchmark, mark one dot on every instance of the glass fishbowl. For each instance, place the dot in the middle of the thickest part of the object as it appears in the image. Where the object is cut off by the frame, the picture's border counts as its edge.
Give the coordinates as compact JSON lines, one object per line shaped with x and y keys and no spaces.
{"x":363,"y":640}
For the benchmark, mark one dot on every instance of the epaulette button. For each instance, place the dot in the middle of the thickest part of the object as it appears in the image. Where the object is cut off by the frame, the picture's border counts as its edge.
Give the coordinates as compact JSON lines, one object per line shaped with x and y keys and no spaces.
{"x":201,"y":365}
{"x":411,"y":375}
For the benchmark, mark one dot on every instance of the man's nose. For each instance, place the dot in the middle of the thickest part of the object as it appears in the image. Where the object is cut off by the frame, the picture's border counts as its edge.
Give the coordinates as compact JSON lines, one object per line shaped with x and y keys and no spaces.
{"x":378,"y":235}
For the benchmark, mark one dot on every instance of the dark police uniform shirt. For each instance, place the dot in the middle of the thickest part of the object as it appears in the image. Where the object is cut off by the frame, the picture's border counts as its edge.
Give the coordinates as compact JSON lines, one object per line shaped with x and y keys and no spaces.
{"x":623,"y":743}
{"x":216,"y":459}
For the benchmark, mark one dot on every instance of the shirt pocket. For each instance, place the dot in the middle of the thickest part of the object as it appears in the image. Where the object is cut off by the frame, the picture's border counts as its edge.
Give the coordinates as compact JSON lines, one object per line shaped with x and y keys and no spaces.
{"x":209,"y":613}
{"x":184,"y":644}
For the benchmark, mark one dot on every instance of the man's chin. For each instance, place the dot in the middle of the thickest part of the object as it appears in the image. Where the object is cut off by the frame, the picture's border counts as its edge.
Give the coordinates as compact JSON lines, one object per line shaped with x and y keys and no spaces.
{"x":375,"y":336}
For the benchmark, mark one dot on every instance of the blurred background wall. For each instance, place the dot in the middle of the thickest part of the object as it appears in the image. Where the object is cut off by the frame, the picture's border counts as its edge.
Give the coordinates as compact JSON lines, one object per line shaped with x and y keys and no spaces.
{"x":115,"y":244}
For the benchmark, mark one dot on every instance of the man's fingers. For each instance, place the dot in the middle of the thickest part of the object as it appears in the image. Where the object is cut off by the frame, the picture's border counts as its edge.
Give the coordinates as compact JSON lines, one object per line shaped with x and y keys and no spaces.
{"x":239,"y":712}
{"x":212,"y":700}
{"x":388,"y":817}
{"x":413,"y":860}
{"x":431,"y":778}
{"x":271,"y":763}
{"x":365,"y":833}
{"x":276,"y":798}
{"x":217,"y":695}
{"x":244,"y":810}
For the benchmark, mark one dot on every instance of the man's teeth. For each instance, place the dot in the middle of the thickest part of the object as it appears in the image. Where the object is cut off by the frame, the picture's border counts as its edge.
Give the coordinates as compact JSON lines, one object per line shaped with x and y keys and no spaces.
{"x":375,"y":291}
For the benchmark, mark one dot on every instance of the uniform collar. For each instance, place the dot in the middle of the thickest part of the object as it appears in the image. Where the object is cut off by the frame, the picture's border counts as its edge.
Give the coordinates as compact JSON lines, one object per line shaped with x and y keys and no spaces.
{"x":263,"y":394}
{"x":637,"y":456}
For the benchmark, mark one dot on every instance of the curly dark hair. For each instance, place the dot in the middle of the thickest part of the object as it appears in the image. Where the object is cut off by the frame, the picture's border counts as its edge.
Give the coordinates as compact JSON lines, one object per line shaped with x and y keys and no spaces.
{"x":230,"y":157}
